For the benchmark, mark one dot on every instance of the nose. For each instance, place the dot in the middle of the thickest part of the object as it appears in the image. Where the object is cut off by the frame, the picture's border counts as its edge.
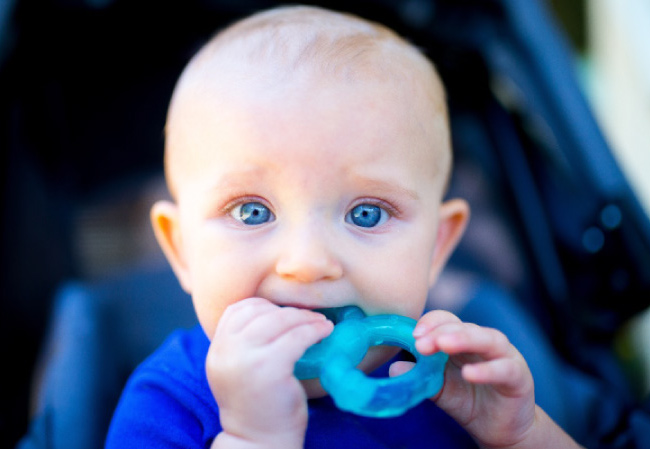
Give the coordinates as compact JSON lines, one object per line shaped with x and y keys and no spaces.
{"x":306,"y":256}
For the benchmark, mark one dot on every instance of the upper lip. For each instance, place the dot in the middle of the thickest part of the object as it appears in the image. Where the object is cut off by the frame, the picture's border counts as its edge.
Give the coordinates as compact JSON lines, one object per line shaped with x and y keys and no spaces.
{"x":305,"y":303}
{"x":303,"y":297}
{"x":310,"y":302}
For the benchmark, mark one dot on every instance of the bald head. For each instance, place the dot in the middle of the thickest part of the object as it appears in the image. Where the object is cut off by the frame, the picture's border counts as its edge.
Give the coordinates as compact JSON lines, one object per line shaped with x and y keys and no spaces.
{"x":293,"y":50}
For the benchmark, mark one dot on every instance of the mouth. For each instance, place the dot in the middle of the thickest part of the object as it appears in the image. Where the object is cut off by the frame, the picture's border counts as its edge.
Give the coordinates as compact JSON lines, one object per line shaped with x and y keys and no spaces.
{"x":338,"y":314}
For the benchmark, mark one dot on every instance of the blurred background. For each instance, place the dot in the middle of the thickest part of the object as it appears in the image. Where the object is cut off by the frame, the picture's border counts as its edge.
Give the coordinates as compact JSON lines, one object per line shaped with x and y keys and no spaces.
{"x":84,"y":87}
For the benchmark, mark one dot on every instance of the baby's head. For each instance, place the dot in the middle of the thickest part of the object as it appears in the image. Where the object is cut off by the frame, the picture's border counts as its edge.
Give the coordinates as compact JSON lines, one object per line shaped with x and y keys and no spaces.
{"x":307,"y":152}
{"x":291,"y":54}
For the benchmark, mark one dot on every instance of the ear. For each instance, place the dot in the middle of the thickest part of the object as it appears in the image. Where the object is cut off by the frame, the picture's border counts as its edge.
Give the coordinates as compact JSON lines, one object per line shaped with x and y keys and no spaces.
{"x":452,"y":221}
{"x":166,"y":227}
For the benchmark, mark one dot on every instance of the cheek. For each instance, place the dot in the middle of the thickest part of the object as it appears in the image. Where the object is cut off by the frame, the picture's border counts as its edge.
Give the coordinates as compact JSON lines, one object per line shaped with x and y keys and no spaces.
{"x":398,"y":278}
{"x":222,"y":274}
{"x":218,"y":286}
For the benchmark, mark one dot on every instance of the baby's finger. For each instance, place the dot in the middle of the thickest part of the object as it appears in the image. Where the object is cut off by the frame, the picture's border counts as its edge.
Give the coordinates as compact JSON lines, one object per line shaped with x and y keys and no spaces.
{"x":433,"y":319}
{"x":291,"y":345}
{"x":241,"y":313}
{"x":486,"y":343}
{"x":428,"y":323}
{"x":268,"y":327}
{"x":427,"y":344}
{"x":510,"y":375}
{"x":399,"y":368}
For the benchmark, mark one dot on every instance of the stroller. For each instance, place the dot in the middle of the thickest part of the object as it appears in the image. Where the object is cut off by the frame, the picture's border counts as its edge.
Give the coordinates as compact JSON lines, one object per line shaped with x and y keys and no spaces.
{"x":555,"y":225}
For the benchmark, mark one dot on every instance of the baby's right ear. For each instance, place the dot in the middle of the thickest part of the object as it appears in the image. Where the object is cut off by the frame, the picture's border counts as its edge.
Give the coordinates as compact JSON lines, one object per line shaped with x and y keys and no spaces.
{"x":166,"y":226}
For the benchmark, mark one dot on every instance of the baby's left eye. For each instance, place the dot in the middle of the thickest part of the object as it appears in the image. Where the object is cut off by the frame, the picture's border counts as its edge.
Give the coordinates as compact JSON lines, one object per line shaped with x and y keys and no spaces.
{"x":367,"y":215}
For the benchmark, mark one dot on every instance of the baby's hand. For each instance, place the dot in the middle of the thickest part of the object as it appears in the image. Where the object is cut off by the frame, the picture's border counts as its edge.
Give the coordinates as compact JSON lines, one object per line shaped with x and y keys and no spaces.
{"x":488,"y":387}
{"x":250,"y":371}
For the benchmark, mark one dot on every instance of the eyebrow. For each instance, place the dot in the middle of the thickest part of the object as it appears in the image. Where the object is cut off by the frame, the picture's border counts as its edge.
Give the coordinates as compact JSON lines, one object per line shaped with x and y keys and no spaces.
{"x":238,"y":181}
{"x":236,"y":178}
{"x":385,"y":187}
{"x":230,"y":183}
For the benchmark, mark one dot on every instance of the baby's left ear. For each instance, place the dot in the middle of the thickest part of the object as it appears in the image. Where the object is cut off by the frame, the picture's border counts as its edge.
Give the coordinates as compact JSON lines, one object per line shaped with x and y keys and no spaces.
{"x":452,"y":221}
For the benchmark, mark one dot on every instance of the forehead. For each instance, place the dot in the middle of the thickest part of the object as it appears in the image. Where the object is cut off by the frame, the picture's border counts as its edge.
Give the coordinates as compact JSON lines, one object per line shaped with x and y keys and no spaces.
{"x":306,"y":127}
{"x":248,"y":82}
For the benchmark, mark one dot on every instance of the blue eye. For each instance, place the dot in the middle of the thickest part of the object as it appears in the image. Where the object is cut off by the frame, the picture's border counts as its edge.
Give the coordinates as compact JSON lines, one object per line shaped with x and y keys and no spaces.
{"x":367,"y":216}
{"x":252,"y":213}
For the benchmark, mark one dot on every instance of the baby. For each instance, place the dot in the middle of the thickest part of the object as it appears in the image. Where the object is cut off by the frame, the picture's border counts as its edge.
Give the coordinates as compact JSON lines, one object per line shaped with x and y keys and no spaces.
{"x":307,"y":153}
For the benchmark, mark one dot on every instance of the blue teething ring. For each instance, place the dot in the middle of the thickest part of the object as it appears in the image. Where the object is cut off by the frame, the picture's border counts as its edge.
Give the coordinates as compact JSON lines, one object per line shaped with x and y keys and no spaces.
{"x":334,"y":361}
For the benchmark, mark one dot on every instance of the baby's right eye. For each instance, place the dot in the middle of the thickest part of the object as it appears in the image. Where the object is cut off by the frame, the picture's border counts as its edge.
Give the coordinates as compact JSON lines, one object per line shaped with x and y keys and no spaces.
{"x":252,"y":213}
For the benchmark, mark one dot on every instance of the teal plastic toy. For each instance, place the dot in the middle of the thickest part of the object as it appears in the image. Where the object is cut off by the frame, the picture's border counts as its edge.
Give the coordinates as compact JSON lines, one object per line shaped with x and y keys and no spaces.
{"x":335,"y":358}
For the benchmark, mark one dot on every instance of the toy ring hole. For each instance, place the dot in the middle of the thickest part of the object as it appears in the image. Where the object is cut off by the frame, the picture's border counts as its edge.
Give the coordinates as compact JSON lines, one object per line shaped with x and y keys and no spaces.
{"x":401,"y":355}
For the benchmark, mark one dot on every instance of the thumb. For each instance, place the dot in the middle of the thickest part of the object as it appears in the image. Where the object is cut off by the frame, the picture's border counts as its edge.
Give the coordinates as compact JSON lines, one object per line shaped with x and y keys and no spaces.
{"x":399,"y":368}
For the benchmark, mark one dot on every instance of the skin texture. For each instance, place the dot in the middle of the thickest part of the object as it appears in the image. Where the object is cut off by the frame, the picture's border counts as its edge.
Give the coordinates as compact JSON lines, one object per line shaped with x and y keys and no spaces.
{"x":310,"y":149}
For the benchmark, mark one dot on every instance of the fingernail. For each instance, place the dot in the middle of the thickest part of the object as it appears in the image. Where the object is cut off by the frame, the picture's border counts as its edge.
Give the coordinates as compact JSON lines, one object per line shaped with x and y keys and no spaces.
{"x":470,"y":372}
{"x":419,"y":330}
{"x":425,"y":345}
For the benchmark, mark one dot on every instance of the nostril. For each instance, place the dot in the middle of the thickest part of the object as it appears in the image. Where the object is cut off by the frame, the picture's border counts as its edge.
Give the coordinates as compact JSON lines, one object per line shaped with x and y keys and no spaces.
{"x":309,"y":269}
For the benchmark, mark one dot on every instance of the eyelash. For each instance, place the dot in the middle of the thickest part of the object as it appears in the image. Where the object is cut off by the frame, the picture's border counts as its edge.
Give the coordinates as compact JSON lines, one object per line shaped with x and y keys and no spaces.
{"x":392,"y":211}
{"x":242,"y":200}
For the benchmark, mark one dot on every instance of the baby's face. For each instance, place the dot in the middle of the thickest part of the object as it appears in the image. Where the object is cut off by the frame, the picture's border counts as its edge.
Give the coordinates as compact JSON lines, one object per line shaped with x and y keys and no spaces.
{"x":313,"y":197}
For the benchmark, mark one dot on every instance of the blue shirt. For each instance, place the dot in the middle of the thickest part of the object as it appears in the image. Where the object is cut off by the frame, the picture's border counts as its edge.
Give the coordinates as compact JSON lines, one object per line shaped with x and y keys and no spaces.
{"x":167,"y":403}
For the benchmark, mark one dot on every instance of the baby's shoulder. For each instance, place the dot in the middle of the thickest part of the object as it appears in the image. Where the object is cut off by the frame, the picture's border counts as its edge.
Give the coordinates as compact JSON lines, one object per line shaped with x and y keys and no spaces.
{"x":183,"y":348}
{"x":179,"y":359}
{"x":167,"y":401}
